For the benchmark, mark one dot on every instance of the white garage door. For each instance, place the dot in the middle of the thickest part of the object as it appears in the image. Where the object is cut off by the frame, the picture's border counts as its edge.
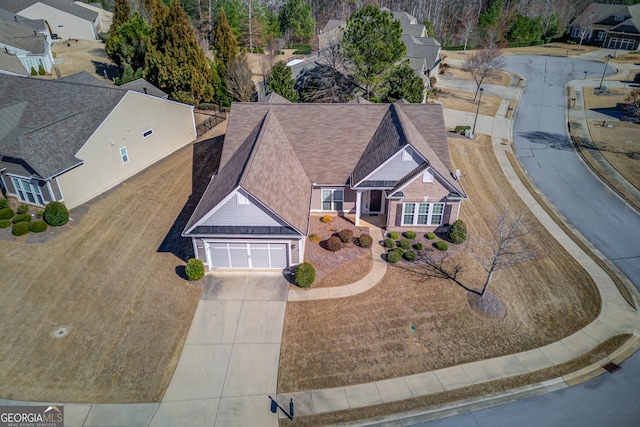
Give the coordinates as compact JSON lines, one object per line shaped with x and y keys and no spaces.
{"x":247,"y":255}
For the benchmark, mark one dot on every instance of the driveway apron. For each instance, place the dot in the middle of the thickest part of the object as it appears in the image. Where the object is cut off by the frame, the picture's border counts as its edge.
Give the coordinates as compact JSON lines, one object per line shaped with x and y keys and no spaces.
{"x":229,"y":364}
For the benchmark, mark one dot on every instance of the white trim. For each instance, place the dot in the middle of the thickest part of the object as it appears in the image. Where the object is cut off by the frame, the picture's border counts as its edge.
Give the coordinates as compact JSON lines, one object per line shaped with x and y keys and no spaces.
{"x":333,"y":200}
{"x":287,"y":244}
{"x":436,"y":175}
{"x":48,"y":183}
{"x":427,"y":176}
{"x":389,"y":160}
{"x":241,"y":199}
{"x":416,"y":214}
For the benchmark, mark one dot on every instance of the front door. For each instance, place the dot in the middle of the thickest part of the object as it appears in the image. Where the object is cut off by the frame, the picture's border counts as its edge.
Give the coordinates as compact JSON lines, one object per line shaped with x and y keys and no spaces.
{"x":375,"y":200}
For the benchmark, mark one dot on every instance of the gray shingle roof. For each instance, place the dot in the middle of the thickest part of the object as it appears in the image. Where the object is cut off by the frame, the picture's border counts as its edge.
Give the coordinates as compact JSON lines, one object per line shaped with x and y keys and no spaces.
{"x":277,"y":151}
{"x":11,"y":64}
{"x":16,"y":6}
{"x":274,"y":98}
{"x":22,"y":36}
{"x":143,"y":86}
{"x":59,"y":118}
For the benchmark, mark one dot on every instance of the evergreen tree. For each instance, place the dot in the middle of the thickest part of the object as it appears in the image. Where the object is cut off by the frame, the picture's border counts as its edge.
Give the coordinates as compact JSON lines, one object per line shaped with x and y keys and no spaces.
{"x":121,"y":12}
{"x":404,"y":83}
{"x":372,"y":45}
{"x":175,"y":62}
{"x":491,"y":20}
{"x":128,"y":44}
{"x":281,"y":82}
{"x":296,"y":21}
{"x":525,"y":29}
{"x":224,"y":42}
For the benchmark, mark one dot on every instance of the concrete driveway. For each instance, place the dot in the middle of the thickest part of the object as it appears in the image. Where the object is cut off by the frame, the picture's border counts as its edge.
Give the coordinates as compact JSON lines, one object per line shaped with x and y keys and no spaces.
{"x":229,"y":364}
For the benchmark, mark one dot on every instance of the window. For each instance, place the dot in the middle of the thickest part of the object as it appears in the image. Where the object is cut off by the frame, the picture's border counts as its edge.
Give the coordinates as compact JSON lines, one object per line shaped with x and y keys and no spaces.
{"x":147,"y":133}
{"x":332,"y":200}
{"x":618,"y":18}
{"x":422,"y":213}
{"x":27,"y":192}
{"x":427,"y":177}
{"x":123,"y":155}
{"x":241,"y":200}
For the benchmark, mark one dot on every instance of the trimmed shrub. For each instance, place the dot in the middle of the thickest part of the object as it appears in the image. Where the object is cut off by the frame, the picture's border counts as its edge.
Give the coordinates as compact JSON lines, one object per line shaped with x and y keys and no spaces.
{"x":20,"y":228}
{"x":194,"y":269}
{"x":56,"y":214}
{"x":389,"y":243}
{"x":5,"y":223}
{"x":4,"y":203}
{"x":458,"y":232}
{"x":393,"y":257}
{"x":410,"y":256}
{"x":405,"y":244}
{"x":305,"y":275}
{"x":365,"y":241}
{"x":398,"y":250}
{"x":418,"y":246}
{"x":21,"y":218}
{"x":430,"y":236}
{"x":461,"y":129}
{"x":23,"y":209}
{"x":346,"y":235}
{"x":326,"y":219}
{"x":38,"y":226}
{"x":40,"y":214}
{"x":334,"y":244}
{"x":6,"y":213}
{"x":394,"y":235}
{"x":409,"y":235}
{"x":41,"y":70}
{"x":33,"y":71}
{"x":442,"y":246}
{"x":315,"y":238}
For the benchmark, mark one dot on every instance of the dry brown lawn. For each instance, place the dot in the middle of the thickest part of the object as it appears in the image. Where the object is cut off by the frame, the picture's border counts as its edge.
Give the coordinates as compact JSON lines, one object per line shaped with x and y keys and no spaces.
{"x":610,"y":99}
{"x":113,"y":280}
{"x":338,"y":342}
{"x":502,"y":78}
{"x":551,"y":49}
{"x":460,"y":100}
{"x":83,"y":55}
{"x":628,"y":58}
{"x":620,"y":145}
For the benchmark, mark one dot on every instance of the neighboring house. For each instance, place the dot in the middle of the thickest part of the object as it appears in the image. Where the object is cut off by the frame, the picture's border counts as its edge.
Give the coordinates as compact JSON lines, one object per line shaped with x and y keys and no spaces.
{"x":283,"y":162}
{"x":611,"y":26}
{"x":66,"y":19}
{"x":27,"y":40}
{"x":104,"y":16}
{"x":74,"y":138}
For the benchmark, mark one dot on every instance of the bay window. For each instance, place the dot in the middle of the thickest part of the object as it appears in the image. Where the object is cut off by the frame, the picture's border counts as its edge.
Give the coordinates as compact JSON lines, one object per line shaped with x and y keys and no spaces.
{"x":422,"y":213}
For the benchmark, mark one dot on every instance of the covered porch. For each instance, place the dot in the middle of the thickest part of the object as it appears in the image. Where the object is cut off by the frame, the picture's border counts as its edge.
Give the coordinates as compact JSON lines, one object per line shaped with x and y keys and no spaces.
{"x":372,"y":204}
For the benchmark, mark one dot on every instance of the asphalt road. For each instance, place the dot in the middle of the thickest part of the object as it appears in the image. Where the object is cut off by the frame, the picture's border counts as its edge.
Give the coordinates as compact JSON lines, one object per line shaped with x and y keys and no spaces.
{"x":543,"y":148}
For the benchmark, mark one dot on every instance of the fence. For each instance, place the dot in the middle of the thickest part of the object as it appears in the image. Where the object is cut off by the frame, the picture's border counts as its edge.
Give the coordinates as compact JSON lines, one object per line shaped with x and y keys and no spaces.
{"x":215,"y":117}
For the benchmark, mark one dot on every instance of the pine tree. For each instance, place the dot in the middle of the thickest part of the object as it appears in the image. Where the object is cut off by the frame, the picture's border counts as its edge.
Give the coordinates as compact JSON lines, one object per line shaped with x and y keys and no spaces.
{"x":175,"y":62}
{"x":281,"y":82}
{"x":224,"y":42}
{"x":373,"y":45}
{"x":121,"y":12}
{"x":404,"y":83}
{"x":296,"y":21}
{"x":128,"y":44}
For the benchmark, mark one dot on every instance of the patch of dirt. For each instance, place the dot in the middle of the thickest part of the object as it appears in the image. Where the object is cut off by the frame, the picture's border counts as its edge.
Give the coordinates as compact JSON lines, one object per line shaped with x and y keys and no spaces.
{"x":84,"y":55}
{"x":348,"y":265}
{"x":368,"y":337}
{"x":488,"y":305}
{"x":459,"y":100}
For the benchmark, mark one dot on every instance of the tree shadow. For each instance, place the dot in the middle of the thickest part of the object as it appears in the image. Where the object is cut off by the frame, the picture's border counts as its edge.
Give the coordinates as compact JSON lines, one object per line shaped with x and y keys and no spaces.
{"x":556,"y":141}
{"x":616,"y":112}
{"x":108,"y":71}
{"x":206,"y":160}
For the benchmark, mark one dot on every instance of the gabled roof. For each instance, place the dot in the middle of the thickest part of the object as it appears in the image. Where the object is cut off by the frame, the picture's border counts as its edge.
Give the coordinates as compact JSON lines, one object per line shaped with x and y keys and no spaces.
{"x":143,"y":86}
{"x":274,"y":98}
{"x":59,"y":117}
{"x":603,"y":16}
{"x":17,"y":6}
{"x":21,"y":36}
{"x":10,"y":64}
{"x":255,"y":167}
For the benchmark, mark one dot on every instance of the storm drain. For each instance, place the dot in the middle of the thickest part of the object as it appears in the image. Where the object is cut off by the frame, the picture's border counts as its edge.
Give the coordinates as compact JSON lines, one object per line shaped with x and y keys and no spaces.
{"x":60,"y":332}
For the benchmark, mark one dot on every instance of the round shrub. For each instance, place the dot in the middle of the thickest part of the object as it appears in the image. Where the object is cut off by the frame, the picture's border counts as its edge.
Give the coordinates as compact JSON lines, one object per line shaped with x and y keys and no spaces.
{"x":410,"y":256}
{"x":458,"y":232}
{"x":194,"y":269}
{"x":326,"y":219}
{"x":334,"y":243}
{"x":56,"y":214}
{"x":315,"y":238}
{"x":37,"y":226}
{"x":346,"y":235}
{"x":4,"y":203}
{"x":442,"y":246}
{"x":6,"y":213}
{"x":305,"y":275}
{"x":365,"y":241}
{"x":430,"y":236}
{"x":20,"y":228}
{"x":389,"y":243}
{"x":405,"y":244}
{"x":394,"y":235}
{"x":393,"y":257}
{"x":418,"y":246}
{"x":5,"y":223}
{"x":21,"y":218}
{"x":398,"y":250}
{"x":409,"y":235}
{"x":23,"y":209}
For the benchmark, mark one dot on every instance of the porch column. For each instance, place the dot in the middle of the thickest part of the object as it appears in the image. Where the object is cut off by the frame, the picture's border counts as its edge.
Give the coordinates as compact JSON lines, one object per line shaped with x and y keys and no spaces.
{"x":358,"y":206}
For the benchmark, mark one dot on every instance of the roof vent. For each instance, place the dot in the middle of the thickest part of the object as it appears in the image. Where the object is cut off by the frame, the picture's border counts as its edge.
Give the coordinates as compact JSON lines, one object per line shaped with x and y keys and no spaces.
{"x":144,"y":89}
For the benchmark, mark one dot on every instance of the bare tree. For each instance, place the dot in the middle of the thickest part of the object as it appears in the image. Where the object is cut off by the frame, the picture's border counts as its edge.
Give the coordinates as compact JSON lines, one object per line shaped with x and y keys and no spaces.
{"x":584,"y":24}
{"x":483,"y":64}
{"x":467,"y":23}
{"x":506,"y":245}
{"x":238,"y":79}
{"x":632,"y":104}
